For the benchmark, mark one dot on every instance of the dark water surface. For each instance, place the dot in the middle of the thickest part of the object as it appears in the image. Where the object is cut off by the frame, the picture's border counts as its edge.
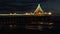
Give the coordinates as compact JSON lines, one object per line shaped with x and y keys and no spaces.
{"x":20,"y":23}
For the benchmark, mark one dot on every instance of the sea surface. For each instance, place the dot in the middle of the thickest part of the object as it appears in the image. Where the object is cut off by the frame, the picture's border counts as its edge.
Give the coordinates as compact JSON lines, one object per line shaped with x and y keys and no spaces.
{"x":4,"y":27}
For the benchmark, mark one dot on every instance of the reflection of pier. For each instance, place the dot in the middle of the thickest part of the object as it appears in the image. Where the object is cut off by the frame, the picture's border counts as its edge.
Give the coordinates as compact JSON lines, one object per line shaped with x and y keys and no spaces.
{"x":25,"y":14}
{"x":27,"y":21}
{"x":23,"y":19}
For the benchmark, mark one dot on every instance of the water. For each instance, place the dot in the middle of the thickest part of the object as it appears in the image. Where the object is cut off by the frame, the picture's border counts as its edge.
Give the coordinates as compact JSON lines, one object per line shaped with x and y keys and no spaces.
{"x":20,"y":23}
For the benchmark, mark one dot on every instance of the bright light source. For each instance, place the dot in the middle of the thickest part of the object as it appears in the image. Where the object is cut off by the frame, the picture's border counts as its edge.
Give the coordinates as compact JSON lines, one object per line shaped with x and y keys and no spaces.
{"x":49,"y":13}
{"x":39,"y":13}
{"x":26,"y":13}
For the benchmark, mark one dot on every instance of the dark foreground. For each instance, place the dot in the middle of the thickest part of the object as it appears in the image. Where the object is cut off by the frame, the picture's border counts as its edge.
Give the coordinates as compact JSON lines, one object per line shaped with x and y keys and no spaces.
{"x":20,"y":22}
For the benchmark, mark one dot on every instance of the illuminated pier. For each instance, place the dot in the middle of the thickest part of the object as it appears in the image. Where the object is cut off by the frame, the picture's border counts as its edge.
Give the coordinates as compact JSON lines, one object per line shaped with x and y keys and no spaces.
{"x":38,"y":20}
{"x":13,"y":14}
{"x":26,"y":14}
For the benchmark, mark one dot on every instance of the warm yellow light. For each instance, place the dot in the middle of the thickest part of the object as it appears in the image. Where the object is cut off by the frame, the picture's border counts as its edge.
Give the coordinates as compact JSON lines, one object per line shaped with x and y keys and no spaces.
{"x":26,"y":13}
{"x":49,"y":13}
{"x":39,"y":13}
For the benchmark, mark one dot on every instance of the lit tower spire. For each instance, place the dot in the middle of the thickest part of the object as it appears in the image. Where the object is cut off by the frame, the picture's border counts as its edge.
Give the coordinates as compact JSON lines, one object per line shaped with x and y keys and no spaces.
{"x":39,"y":10}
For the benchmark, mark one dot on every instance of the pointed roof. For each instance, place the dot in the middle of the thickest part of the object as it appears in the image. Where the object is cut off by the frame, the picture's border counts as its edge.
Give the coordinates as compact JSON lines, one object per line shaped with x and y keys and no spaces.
{"x":39,"y":9}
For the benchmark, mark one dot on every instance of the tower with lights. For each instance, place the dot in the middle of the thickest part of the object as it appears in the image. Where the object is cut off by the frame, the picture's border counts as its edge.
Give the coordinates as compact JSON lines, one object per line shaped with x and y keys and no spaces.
{"x":39,"y":10}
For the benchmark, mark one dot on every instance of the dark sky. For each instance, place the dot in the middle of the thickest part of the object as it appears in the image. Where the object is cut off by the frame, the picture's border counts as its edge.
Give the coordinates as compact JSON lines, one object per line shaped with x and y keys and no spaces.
{"x":28,"y":5}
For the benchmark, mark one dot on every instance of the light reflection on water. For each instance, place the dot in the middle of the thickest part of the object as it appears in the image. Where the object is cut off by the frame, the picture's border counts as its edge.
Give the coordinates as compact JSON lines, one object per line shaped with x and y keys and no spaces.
{"x":39,"y":26}
{"x":42,"y":26}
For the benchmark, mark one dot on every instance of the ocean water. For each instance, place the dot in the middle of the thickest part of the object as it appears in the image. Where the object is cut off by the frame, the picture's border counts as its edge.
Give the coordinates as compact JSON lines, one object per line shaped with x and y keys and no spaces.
{"x":20,"y":22}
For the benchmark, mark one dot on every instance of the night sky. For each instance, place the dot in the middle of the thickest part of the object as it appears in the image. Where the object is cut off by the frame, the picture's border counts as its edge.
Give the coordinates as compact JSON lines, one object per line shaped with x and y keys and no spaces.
{"x":21,"y":6}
